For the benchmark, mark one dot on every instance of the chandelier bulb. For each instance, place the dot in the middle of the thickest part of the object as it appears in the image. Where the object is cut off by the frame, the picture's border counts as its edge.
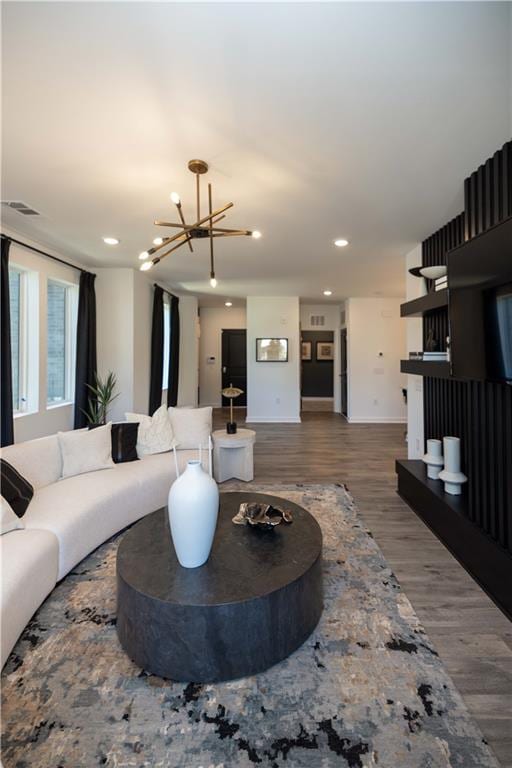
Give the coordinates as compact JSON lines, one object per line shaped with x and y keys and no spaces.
{"x":256,"y":234}
{"x":175,"y":198}
{"x":147,"y":265}
{"x":158,"y":241}
{"x":144,"y":255}
{"x":213,"y":281}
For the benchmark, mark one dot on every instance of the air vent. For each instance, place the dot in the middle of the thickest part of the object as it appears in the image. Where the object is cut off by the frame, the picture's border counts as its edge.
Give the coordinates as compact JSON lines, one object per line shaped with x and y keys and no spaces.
{"x":317,"y":320}
{"x":20,"y":207}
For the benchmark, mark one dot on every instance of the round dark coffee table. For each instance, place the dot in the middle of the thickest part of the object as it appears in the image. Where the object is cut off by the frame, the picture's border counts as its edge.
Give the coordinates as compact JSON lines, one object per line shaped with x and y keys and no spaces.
{"x":254,"y":601}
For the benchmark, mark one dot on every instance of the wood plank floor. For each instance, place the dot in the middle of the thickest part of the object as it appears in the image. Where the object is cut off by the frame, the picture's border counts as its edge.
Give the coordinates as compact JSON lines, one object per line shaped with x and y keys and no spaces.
{"x":473,"y":637}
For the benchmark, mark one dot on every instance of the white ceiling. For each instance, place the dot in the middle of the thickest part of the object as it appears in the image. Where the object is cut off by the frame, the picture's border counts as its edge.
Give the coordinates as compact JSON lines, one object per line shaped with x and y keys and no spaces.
{"x":319,"y":121}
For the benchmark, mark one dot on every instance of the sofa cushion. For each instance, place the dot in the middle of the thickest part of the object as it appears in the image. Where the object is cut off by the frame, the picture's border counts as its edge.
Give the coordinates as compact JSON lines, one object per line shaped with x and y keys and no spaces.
{"x":191,"y":426}
{"x":9,"y":520}
{"x":16,"y":490}
{"x":124,"y":442}
{"x":39,"y":461}
{"x":155,"y":432}
{"x":29,"y":573}
{"x":86,"y":450}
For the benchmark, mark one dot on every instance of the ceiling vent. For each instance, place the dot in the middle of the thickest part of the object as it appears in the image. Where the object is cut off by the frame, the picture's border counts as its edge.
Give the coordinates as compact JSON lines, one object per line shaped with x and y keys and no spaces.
{"x":317,"y":321}
{"x":20,"y":207}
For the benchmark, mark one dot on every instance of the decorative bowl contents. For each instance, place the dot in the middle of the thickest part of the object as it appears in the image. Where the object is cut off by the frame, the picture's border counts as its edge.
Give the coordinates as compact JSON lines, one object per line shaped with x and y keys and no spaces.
{"x":263,"y":516}
{"x":433,"y":273}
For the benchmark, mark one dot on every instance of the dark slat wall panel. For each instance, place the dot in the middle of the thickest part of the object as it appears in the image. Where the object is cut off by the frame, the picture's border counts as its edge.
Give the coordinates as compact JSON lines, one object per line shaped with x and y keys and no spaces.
{"x":480,"y":413}
{"x":433,"y":253}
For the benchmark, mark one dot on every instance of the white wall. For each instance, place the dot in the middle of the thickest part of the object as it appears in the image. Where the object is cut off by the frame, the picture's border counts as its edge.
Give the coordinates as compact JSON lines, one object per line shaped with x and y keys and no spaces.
{"x":40,"y":420}
{"x":332,"y":314}
{"x":213,"y":321}
{"x":273,"y":389}
{"x":415,"y":287}
{"x":189,"y":351}
{"x":124,"y":300}
{"x":375,"y":382}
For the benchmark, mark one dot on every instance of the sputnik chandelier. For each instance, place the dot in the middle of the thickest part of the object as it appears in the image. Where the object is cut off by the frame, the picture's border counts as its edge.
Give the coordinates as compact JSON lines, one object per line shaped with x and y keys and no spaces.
{"x":203,"y":227}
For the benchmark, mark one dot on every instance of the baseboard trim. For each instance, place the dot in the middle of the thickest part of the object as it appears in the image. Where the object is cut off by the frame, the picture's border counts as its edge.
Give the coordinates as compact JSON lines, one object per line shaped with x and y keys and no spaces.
{"x":379,"y":420}
{"x":273,"y":420}
{"x":319,"y":399}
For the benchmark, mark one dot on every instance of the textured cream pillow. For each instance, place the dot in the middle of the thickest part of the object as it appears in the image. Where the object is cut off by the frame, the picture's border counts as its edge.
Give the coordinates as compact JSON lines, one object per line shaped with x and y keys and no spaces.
{"x":86,"y":451}
{"x":155,"y":433}
{"x":9,"y":521}
{"x":191,"y":426}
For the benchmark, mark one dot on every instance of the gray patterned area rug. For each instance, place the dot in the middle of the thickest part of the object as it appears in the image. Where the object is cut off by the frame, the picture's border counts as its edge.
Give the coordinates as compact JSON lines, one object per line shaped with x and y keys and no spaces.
{"x":366,"y":689}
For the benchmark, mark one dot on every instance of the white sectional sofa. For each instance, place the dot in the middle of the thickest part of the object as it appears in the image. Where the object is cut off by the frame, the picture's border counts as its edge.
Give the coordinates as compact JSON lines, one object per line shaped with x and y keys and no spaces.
{"x":67,"y":519}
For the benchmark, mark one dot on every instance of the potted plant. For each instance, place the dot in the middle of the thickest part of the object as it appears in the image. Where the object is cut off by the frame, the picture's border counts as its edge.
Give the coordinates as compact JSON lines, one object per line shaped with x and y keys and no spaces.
{"x":102,"y":396}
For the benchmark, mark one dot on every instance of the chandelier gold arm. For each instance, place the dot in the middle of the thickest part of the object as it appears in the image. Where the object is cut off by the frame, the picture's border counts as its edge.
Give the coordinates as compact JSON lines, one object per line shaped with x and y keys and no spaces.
{"x":212,"y":268}
{"x":184,"y":223}
{"x":159,"y":223}
{"x":232,"y":233}
{"x":180,"y":226}
{"x":174,"y":248}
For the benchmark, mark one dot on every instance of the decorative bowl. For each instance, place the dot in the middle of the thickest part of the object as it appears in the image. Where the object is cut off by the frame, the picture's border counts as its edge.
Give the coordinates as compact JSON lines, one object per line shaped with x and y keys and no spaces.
{"x":433,"y":273}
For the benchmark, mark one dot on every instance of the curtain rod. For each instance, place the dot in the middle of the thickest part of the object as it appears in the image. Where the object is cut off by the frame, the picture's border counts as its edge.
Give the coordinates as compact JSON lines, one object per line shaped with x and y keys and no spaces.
{"x":155,"y":285}
{"x":43,"y":253}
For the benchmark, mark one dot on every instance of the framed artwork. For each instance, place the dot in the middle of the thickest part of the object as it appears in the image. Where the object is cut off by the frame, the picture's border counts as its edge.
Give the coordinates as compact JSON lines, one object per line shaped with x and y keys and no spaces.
{"x":271,"y":350}
{"x":305,"y":350}
{"x":325,"y":350}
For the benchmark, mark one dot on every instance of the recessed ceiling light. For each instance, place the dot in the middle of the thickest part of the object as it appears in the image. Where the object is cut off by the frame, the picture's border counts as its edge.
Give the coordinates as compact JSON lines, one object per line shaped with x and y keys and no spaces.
{"x":228,"y":303}
{"x":327,"y":293}
{"x":341,"y":243}
{"x":111,"y":240}
{"x":256,"y":234}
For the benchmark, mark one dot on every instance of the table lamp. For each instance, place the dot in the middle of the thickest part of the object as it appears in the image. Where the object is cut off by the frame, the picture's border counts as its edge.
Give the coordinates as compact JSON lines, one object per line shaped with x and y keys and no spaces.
{"x":231,"y":392}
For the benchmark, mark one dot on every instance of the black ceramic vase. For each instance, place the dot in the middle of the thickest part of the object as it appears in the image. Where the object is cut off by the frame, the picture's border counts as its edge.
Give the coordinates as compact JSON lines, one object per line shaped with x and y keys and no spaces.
{"x":231,"y":427}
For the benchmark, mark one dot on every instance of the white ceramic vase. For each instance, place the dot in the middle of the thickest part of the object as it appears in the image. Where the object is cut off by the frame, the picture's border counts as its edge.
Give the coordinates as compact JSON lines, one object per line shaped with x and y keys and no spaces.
{"x":193,"y":509}
{"x":434,"y":459}
{"x":451,"y":475}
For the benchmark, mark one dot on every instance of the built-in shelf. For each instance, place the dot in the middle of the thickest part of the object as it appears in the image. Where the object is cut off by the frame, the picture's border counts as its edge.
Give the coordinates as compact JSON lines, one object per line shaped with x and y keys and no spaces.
{"x":449,"y":518}
{"x":438,"y":369}
{"x":428,"y":303}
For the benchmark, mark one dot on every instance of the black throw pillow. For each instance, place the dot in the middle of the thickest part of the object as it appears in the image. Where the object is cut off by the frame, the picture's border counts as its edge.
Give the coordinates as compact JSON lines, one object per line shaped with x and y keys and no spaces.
{"x":16,"y":490}
{"x":124,"y":442}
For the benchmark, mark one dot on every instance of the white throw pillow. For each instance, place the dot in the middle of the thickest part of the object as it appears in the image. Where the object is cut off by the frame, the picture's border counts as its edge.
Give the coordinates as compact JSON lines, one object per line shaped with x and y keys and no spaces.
{"x":191,"y":426}
{"x":86,"y":450}
{"x":9,"y":521}
{"x":155,"y":433}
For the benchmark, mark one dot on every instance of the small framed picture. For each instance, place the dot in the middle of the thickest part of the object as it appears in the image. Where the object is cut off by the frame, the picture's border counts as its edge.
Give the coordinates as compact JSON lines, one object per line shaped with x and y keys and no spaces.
{"x":271,"y":350}
{"x":325,"y":350}
{"x":305,"y":350}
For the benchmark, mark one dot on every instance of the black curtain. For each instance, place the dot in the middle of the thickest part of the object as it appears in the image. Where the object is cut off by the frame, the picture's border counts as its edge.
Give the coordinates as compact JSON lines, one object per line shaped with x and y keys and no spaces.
{"x":7,"y":424}
{"x":174,"y":353}
{"x":157,"y":351}
{"x":85,"y":346}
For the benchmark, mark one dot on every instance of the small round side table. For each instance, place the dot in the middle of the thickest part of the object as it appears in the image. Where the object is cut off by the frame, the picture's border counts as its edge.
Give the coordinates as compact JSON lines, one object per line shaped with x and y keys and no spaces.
{"x":233,"y":455}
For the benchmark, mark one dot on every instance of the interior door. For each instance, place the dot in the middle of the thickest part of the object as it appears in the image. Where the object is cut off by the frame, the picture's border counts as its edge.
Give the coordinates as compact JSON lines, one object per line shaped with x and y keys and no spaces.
{"x":343,"y":371}
{"x":234,"y":364}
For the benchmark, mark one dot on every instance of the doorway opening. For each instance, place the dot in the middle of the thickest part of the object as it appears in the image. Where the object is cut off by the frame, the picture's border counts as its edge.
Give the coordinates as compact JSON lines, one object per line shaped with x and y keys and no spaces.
{"x":234,"y":364}
{"x":317,"y":371}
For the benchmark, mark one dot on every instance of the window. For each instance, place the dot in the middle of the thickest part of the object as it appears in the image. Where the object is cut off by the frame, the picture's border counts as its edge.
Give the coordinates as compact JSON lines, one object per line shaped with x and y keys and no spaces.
{"x":167,"y":332}
{"x":15,"y":300}
{"x":61,"y":330}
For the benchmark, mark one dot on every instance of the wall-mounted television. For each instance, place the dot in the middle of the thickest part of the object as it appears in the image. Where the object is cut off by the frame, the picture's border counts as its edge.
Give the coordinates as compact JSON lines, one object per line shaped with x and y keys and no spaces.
{"x":480,"y":306}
